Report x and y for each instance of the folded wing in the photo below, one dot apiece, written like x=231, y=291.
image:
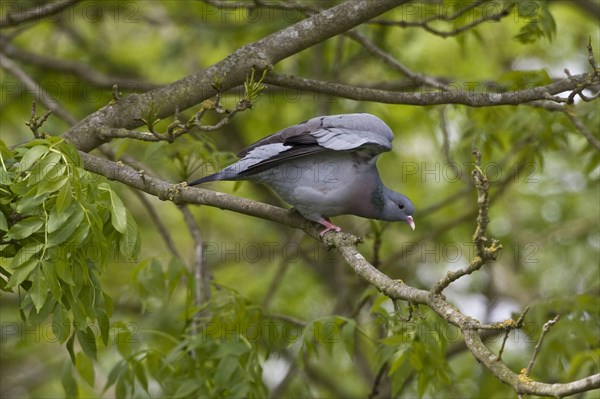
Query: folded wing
x=363, y=133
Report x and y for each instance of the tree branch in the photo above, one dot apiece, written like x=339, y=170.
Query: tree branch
x=392, y=62
x=14, y=19
x=180, y=194
x=483, y=253
x=79, y=69
x=229, y=72
x=441, y=17
x=461, y=93
x=199, y=271
x=547, y=326
x=36, y=90
x=582, y=128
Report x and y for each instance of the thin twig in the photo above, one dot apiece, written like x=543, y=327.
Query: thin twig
x=200, y=273
x=251, y=5
x=35, y=122
x=178, y=128
x=282, y=269
x=445, y=135
x=483, y=253
x=518, y=324
x=582, y=128
x=547, y=326
x=425, y=24
x=432, y=18
x=81, y=70
x=161, y=227
x=394, y=63
x=378, y=379
x=36, y=90
x=35, y=13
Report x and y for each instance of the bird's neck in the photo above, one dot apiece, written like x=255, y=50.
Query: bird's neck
x=378, y=199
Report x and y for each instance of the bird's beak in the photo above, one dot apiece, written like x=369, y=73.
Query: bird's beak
x=410, y=222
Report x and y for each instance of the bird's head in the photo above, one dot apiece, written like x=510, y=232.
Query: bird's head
x=399, y=208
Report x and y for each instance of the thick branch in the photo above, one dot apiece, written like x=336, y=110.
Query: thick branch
x=180, y=194
x=230, y=72
x=521, y=385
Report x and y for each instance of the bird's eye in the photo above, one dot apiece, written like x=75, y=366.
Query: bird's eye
x=401, y=206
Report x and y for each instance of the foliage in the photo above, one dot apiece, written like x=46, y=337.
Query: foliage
x=59, y=224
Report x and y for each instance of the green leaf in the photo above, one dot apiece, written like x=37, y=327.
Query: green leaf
x=80, y=234
x=103, y=324
x=52, y=279
x=3, y=222
x=22, y=273
x=225, y=370
x=43, y=167
x=65, y=230
x=118, y=215
x=129, y=244
x=122, y=339
x=187, y=388
x=108, y=304
x=115, y=373
x=422, y=384
x=54, y=184
x=122, y=386
x=140, y=374
x=38, y=290
x=24, y=254
x=37, y=317
x=63, y=270
x=174, y=272
x=58, y=218
x=64, y=198
x=348, y=333
x=24, y=228
x=69, y=346
x=31, y=156
x=399, y=361
x=61, y=326
x=30, y=203
x=85, y=367
x=68, y=382
x=87, y=340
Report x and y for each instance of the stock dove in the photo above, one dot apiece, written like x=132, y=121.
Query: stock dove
x=325, y=166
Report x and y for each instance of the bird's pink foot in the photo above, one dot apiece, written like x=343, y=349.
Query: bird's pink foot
x=328, y=227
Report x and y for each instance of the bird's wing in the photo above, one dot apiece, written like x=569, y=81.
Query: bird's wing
x=362, y=133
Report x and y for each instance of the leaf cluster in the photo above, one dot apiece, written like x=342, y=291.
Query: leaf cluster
x=59, y=225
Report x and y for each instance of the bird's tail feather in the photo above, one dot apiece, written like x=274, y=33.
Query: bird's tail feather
x=206, y=179
x=221, y=175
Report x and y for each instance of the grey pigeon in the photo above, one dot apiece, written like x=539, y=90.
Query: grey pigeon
x=325, y=166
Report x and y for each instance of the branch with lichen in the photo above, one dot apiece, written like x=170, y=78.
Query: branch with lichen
x=483, y=252
x=252, y=90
